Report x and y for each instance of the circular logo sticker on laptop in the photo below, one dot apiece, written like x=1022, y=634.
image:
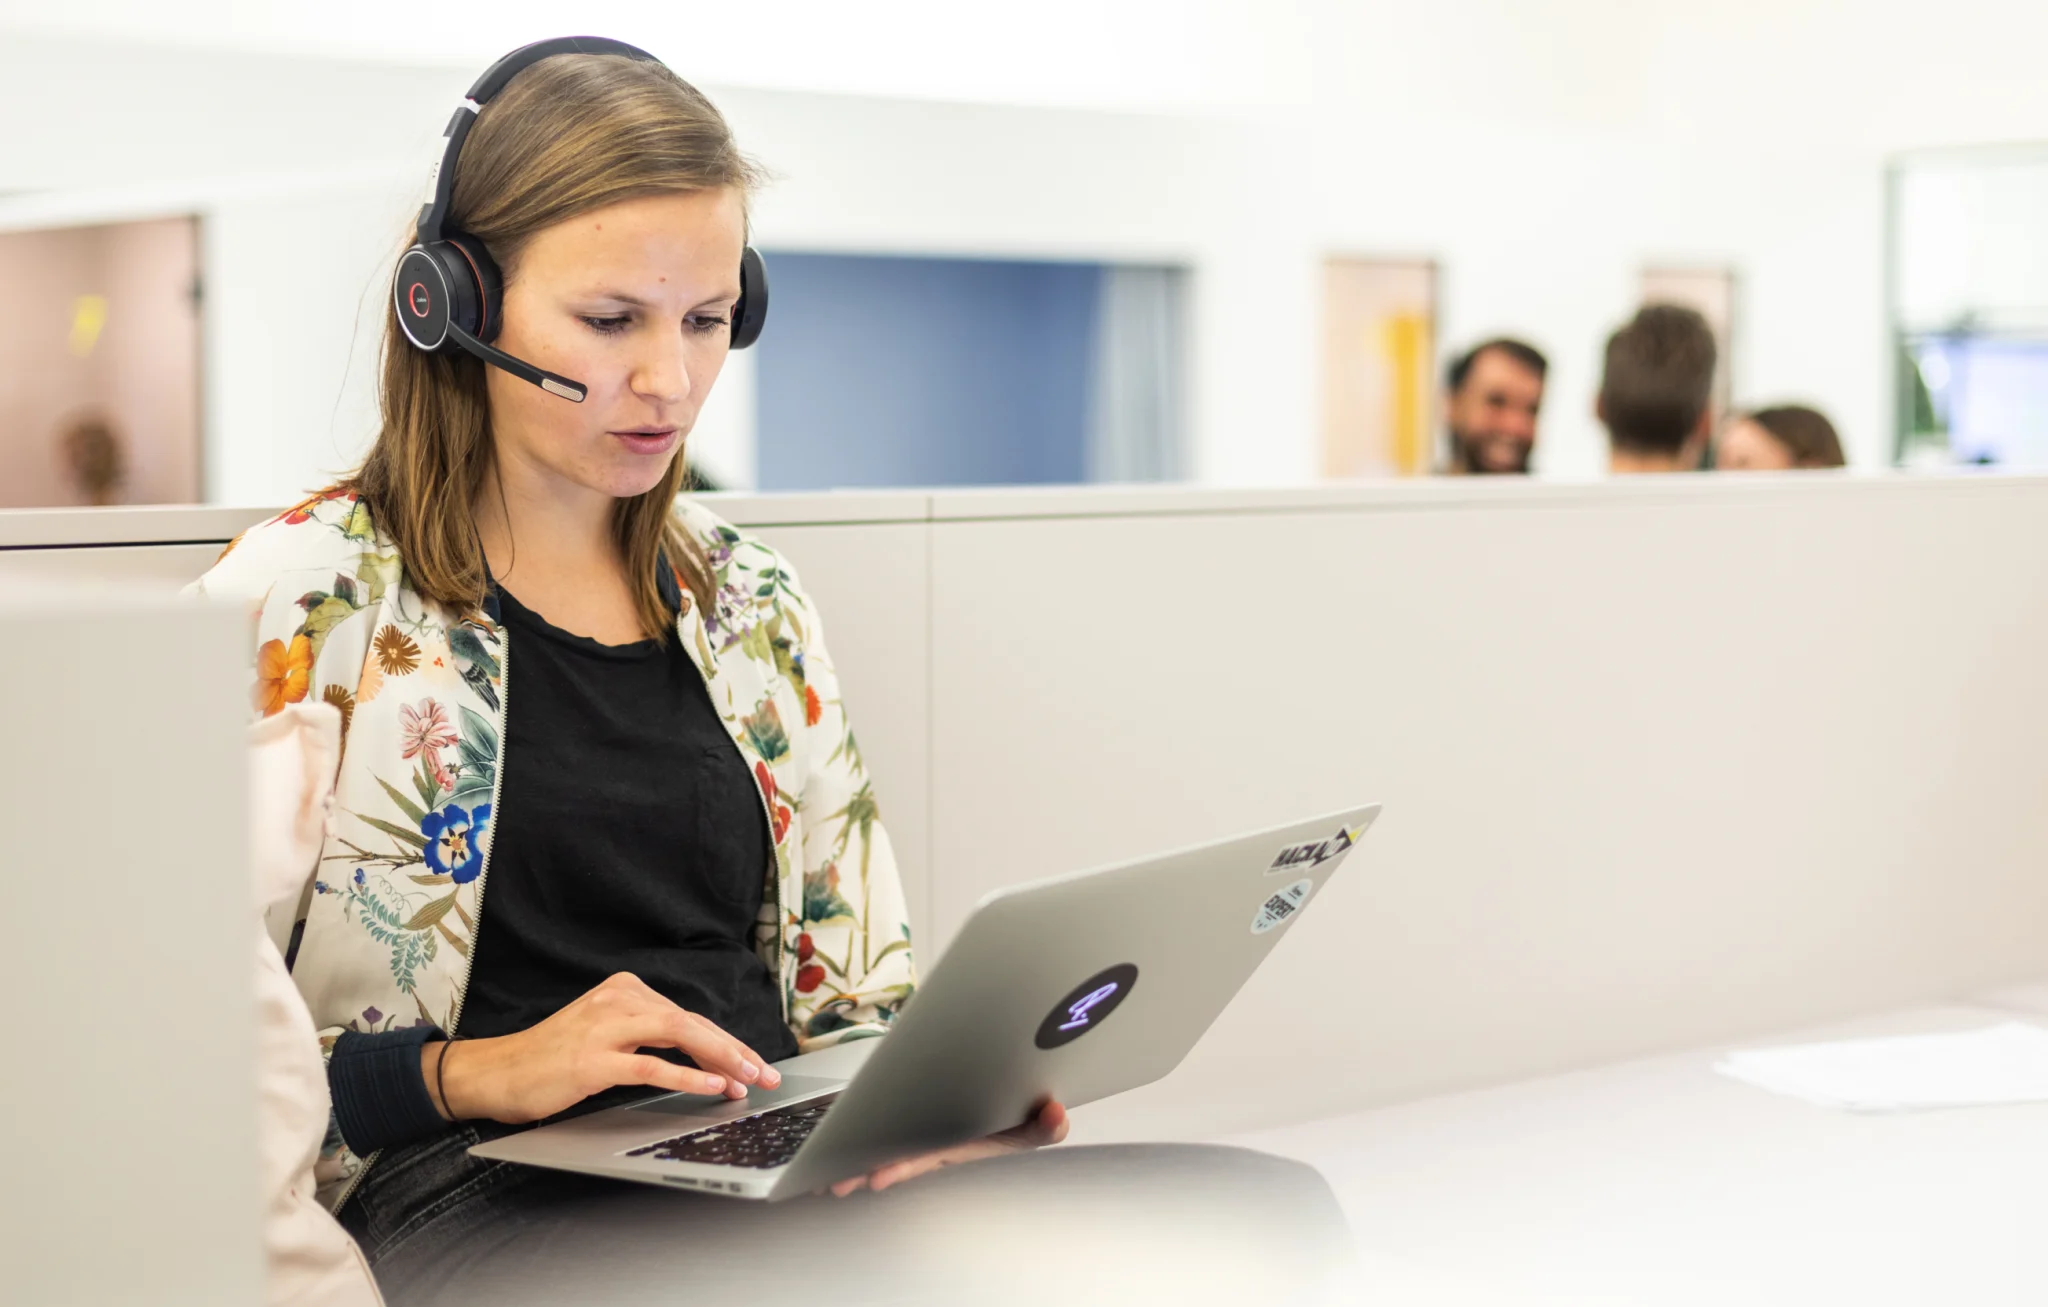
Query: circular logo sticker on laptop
x=1281, y=906
x=1087, y=1006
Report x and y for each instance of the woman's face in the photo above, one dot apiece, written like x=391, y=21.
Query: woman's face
x=1747, y=447
x=634, y=302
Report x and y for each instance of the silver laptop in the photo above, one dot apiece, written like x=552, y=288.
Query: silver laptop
x=1073, y=988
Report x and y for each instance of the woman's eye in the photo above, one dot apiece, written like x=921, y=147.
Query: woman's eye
x=702, y=323
x=606, y=326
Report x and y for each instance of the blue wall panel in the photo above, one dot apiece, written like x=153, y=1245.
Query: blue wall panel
x=887, y=371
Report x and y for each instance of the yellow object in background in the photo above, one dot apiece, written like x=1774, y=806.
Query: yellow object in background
x=88, y=319
x=1406, y=341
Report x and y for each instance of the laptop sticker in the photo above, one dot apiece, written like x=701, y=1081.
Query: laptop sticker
x=1282, y=906
x=1314, y=853
x=1087, y=1005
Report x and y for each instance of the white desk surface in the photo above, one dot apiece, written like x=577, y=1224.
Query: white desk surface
x=1662, y=1182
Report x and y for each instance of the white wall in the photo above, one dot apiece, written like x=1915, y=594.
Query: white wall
x=1971, y=239
x=1764, y=74
x=1542, y=154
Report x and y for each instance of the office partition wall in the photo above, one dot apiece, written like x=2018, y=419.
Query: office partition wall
x=1664, y=763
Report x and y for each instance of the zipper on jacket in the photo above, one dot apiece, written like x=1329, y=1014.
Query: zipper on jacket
x=774, y=868
x=497, y=788
x=483, y=870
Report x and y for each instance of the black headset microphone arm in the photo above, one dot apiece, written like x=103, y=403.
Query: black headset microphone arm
x=552, y=382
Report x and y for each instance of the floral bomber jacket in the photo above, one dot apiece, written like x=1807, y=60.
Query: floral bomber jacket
x=386, y=923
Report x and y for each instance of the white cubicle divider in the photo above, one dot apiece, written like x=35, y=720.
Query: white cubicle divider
x=128, y=968
x=1665, y=762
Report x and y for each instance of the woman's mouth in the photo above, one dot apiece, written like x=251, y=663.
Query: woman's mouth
x=647, y=440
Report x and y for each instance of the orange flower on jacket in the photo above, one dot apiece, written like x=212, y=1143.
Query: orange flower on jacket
x=283, y=673
x=303, y=510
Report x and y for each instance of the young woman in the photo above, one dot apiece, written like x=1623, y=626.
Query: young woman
x=681, y=845
x=1777, y=439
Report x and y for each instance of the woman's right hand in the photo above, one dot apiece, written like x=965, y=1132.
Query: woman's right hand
x=589, y=1046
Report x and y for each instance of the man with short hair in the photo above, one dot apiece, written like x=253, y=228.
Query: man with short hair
x=1495, y=390
x=1656, y=394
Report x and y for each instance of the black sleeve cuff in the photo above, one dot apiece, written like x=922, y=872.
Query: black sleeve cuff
x=380, y=1095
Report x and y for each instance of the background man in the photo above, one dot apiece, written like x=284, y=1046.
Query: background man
x=1657, y=390
x=1495, y=390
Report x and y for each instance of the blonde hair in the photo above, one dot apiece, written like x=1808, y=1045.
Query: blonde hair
x=573, y=133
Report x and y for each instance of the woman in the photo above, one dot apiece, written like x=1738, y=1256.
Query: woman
x=1776, y=439
x=678, y=833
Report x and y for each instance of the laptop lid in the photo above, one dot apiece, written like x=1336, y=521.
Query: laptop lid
x=1075, y=988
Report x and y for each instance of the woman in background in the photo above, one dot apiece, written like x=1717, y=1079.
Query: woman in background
x=1777, y=439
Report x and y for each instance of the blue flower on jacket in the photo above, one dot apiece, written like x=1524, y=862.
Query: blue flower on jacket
x=453, y=838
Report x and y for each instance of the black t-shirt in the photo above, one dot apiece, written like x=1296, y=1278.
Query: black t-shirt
x=629, y=837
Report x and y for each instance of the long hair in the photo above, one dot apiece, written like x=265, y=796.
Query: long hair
x=1803, y=431
x=573, y=133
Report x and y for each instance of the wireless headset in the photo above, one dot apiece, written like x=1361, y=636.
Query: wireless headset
x=448, y=288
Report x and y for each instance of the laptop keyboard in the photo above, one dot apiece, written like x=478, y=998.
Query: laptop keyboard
x=764, y=1140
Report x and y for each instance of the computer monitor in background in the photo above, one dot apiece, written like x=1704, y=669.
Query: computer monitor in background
x=1991, y=395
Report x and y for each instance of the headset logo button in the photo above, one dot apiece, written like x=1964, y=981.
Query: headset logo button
x=417, y=300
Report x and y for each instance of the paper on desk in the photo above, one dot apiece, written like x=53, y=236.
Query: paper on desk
x=2005, y=1063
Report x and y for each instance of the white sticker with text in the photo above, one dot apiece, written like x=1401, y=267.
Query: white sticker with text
x=1282, y=906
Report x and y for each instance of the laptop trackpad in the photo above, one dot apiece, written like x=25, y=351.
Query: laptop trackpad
x=711, y=1108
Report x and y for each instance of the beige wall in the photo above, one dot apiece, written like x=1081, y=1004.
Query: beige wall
x=129, y=1134
x=142, y=370
x=1665, y=763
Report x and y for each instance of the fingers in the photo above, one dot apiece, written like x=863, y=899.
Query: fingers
x=715, y=1050
x=1048, y=1127
x=641, y=1069
x=635, y=1016
x=912, y=1167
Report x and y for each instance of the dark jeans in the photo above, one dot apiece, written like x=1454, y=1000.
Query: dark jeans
x=1186, y=1224
x=435, y=1194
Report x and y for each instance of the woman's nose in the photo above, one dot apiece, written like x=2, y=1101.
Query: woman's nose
x=663, y=374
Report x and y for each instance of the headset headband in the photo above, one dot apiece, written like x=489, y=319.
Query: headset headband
x=434, y=213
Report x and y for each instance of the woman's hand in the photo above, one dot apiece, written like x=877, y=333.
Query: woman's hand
x=589, y=1046
x=1047, y=1126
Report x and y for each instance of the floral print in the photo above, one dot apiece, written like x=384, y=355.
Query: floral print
x=424, y=731
x=779, y=813
x=344, y=703
x=398, y=895
x=765, y=733
x=455, y=841
x=283, y=673
x=397, y=654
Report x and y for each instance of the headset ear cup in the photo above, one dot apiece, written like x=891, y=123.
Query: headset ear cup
x=435, y=287
x=750, y=315
x=468, y=255
x=420, y=296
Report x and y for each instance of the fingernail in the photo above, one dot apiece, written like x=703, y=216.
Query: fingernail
x=714, y=1083
x=770, y=1076
x=748, y=1070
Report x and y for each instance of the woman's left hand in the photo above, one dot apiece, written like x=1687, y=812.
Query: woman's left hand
x=1048, y=1126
